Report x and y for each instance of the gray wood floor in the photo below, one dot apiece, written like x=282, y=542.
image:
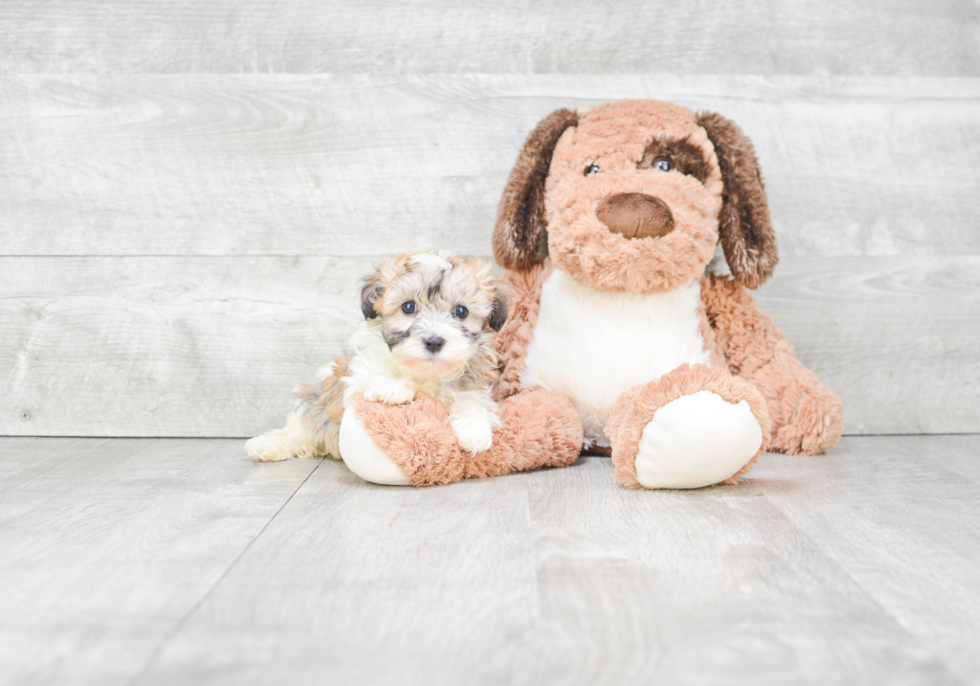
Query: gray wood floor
x=166, y=561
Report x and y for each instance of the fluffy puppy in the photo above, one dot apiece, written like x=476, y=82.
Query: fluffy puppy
x=428, y=321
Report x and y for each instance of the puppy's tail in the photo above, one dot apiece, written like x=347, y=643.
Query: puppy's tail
x=320, y=406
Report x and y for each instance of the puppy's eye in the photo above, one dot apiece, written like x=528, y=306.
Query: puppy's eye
x=460, y=312
x=591, y=169
x=409, y=307
x=662, y=164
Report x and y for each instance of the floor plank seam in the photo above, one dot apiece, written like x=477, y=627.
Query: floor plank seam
x=899, y=623
x=200, y=602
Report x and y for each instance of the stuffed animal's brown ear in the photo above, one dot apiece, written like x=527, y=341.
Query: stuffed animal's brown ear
x=520, y=215
x=746, y=232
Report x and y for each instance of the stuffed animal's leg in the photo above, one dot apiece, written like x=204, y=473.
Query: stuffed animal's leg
x=400, y=445
x=538, y=428
x=695, y=426
x=807, y=417
x=415, y=444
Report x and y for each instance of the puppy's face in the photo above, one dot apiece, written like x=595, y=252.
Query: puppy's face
x=435, y=309
x=632, y=198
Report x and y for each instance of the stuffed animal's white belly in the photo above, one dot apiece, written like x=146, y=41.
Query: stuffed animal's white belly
x=593, y=345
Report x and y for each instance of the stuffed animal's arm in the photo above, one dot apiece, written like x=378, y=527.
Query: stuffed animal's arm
x=511, y=342
x=807, y=417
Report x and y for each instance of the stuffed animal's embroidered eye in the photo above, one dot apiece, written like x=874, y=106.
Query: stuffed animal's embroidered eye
x=591, y=169
x=460, y=312
x=662, y=164
x=409, y=307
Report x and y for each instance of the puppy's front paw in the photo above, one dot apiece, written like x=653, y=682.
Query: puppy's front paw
x=473, y=434
x=389, y=392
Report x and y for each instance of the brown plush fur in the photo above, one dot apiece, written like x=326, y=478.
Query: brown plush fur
x=417, y=436
x=746, y=232
x=708, y=336
x=528, y=438
x=682, y=155
x=420, y=440
x=613, y=137
x=548, y=187
x=612, y=149
x=807, y=417
x=524, y=294
x=635, y=408
x=521, y=221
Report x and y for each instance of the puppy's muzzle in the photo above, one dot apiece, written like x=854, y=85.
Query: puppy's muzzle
x=636, y=215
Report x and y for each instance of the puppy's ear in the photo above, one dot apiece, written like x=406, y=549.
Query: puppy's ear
x=743, y=223
x=373, y=291
x=520, y=215
x=499, y=313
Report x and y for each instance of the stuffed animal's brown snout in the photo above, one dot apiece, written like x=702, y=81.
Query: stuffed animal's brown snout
x=636, y=215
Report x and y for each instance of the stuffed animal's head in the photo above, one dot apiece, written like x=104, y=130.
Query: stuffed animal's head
x=633, y=196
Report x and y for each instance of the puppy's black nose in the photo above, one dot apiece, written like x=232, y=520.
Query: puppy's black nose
x=434, y=343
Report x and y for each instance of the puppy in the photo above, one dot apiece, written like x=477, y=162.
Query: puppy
x=428, y=321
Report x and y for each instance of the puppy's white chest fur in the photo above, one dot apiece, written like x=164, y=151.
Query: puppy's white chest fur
x=593, y=345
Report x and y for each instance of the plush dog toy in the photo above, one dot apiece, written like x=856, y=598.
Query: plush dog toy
x=618, y=341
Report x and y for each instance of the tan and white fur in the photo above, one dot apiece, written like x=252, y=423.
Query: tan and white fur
x=428, y=322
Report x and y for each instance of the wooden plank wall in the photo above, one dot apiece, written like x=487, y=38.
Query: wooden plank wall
x=190, y=192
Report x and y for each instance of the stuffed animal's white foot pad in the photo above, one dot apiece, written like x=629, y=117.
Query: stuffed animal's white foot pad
x=362, y=455
x=695, y=441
